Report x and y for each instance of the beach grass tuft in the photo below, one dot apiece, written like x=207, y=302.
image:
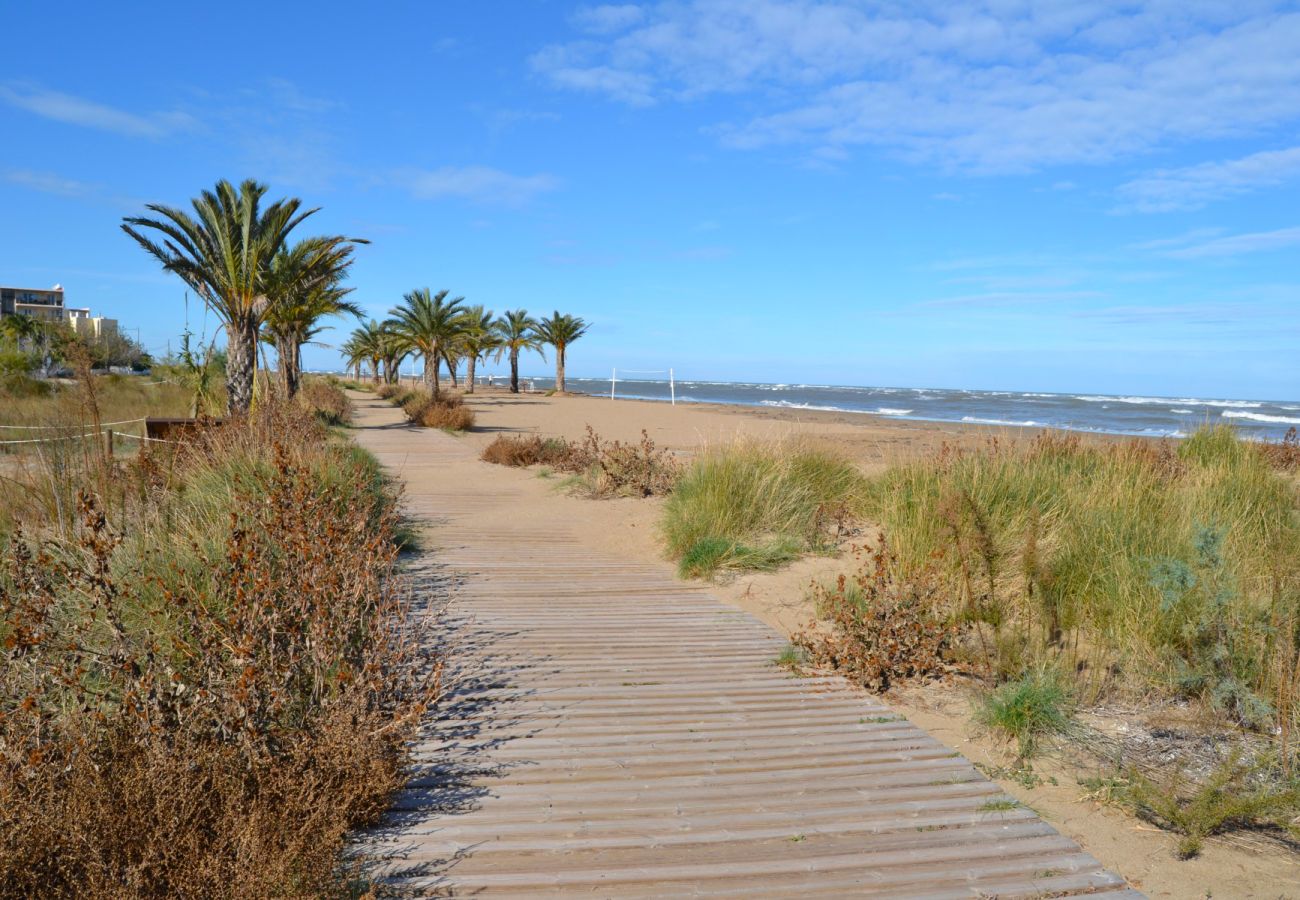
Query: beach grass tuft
x=1028, y=710
x=755, y=505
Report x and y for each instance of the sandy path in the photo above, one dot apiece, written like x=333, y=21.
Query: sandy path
x=613, y=731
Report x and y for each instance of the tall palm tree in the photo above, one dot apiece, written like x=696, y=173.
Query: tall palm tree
x=517, y=331
x=560, y=330
x=224, y=252
x=305, y=288
x=478, y=340
x=353, y=354
x=365, y=344
x=426, y=323
x=392, y=351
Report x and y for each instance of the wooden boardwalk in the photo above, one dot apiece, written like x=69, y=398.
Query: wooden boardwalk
x=615, y=732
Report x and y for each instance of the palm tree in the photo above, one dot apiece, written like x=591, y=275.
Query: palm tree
x=305, y=288
x=392, y=351
x=426, y=323
x=366, y=344
x=224, y=252
x=21, y=327
x=478, y=340
x=517, y=331
x=560, y=330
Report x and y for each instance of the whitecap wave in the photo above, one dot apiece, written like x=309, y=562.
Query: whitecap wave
x=1260, y=417
x=886, y=411
x=1188, y=401
x=981, y=421
x=1184, y=412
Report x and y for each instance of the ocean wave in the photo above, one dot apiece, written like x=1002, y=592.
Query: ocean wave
x=1184, y=412
x=790, y=404
x=1189, y=401
x=1260, y=417
x=980, y=421
x=886, y=411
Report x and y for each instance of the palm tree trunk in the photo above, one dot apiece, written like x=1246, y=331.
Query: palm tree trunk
x=469, y=374
x=451, y=370
x=286, y=350
x=431, y=372
x=241, y=361
x=559, y=370
x=514, y=370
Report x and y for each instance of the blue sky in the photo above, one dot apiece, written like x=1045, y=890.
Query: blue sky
x=1006, y=195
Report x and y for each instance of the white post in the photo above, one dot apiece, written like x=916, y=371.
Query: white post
x=613, y=378
x=672, y=387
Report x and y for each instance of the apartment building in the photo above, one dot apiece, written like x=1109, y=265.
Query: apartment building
x=47, y=304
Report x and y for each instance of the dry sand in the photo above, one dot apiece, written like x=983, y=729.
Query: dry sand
x=1140, y=852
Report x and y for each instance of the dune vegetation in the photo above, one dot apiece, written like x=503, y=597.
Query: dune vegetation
x=755, y=505
x=206, y=679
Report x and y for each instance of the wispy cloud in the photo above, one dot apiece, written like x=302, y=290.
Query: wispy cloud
x=608, y=18
x=1002, y=299
x=481, y=184
x=1234, y=244
x=74, y=110
x=58, y=185
x=1192, y=187
x=49, y=183
x=966, y=85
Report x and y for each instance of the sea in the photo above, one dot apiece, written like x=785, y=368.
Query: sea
x=1099, y=413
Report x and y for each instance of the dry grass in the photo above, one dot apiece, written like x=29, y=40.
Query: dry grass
x=209, y=675
x=325, y=398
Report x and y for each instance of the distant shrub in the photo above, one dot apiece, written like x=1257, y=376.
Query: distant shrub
x=17, y=386
x=527, y=450
x=387, y=391
x=448, y=411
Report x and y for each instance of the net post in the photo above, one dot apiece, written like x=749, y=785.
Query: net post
x=672, y=387
x=613, y=378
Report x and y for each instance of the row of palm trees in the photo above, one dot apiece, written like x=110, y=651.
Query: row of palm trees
x=445, y=332
x=240, y=257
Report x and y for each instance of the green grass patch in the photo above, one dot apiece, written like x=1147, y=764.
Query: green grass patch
x=1027, y=710
x=758, y=506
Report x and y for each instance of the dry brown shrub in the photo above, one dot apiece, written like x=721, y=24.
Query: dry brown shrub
x=879, y=629
x=528, y=450
x=387, y=391
x=613, y=468
x=209, y=717
x=326, y=400
x=1283, y=454
x=605, y=468
x=447, y=411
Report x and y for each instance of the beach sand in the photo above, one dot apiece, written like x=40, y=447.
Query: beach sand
x=628, y=527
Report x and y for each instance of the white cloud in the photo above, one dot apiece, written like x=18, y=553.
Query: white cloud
x=1237, y=244
x=982, y=86
x=481, y=184
x=608, y=18
x=1170, y=190
x=49, y=183
x=78, y=111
